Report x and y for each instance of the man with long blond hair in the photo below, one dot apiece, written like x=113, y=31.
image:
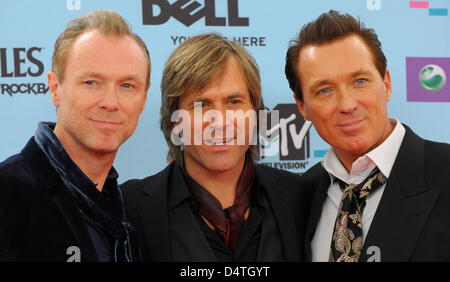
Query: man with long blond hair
x=213, y=202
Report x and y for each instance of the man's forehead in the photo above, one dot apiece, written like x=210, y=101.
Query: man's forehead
x=86, y=39
x=348, y=55
x=94, y=43
x=96, y=38
x=352, y=41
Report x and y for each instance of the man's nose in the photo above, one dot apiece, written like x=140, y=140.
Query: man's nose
x=224, y=120
x=347, y=101
x=109, y=99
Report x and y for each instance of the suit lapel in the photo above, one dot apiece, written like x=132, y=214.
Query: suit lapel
x=154, y=218
x=398, y=223
x=319, y=196
x=161, y=205
x=187, y=239
x=188, y=242
x=285, y=221
x=404, y=207
x=50, y=182
x=278, y=198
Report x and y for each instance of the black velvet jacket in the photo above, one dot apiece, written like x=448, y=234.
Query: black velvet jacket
x=41, y=219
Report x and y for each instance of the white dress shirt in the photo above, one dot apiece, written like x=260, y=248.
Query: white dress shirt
x=382, y=157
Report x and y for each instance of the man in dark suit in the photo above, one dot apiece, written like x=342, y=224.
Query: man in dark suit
x=382, y=192
x=213, y=202
x=59, y=197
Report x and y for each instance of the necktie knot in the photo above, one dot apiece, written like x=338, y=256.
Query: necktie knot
x=347, y=240
x=362, y=190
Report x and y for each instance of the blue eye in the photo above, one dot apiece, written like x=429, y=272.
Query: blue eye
x=324, y=91
x=361, y=80
x=128, y=85
x=200, y=104
x=235, y=102
x=90, y=82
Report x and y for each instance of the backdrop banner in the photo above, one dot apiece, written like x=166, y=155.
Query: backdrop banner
x=415, y=37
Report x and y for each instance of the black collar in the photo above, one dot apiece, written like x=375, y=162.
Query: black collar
x=61, y=161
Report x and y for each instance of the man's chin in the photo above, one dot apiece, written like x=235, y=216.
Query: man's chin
x=356, y=149
x=104, y=148
x=224, y=165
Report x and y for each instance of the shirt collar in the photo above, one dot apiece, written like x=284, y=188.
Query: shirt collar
x=61, y=161
x=383, y=157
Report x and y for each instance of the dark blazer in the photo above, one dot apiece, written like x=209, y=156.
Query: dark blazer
x=412, y=221
x=38, y=217
x=147, y=208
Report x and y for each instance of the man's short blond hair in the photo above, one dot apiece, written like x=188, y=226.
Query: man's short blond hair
x=192, y=68
x=106, y=22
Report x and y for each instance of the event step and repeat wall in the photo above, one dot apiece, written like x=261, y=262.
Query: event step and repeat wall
x=415, y=37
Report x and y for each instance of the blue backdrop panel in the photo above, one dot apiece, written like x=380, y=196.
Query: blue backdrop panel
x=415, y=35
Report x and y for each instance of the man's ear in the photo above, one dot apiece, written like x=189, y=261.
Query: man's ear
x=387, y=84
x=53, y=84
x=301, y=106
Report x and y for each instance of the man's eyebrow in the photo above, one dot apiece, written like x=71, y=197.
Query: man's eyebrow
x=319, y=83
x=91, y=74
x=134, y=77
x=360, y=72
x=199, y=99
x=206, y=99
x=236, y=95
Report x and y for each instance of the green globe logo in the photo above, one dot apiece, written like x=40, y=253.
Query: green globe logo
x=432, y=77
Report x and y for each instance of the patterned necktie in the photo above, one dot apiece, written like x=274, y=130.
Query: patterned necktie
x=347, y=240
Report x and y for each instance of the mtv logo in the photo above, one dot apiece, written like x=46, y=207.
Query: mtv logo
x=285, y=132
x=426, y=79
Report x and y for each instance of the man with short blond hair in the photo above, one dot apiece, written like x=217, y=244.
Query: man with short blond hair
x=59, y=198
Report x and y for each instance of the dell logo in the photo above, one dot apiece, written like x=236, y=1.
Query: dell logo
x=188, y=12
